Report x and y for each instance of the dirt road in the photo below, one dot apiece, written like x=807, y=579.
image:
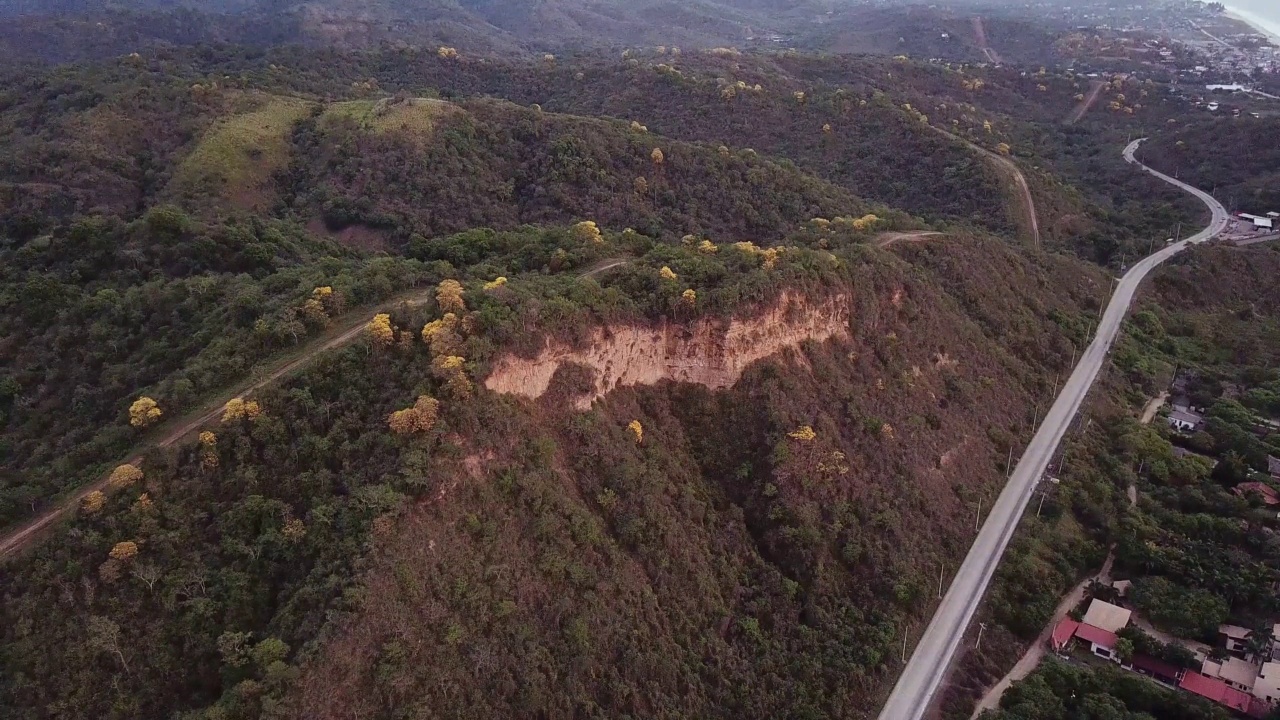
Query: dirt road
x=1095, y=89
x=886, y=239
x=1013, y=173
x=172, y=432
x=980, y=32
x=1153, y=407
x=1034, y=654
x=920, y=678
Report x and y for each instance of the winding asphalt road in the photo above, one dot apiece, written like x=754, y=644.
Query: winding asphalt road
x=928, y=664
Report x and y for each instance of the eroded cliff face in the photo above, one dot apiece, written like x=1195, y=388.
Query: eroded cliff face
x=710, y=352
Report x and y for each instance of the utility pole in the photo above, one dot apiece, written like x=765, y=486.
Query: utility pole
x=941, y=571
x=904, y=645
x=1178, y=237
x=977, y=517
x=982, y=627
x=1040, y=507
x=1008, y=463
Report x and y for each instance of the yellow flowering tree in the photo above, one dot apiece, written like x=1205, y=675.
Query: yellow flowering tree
x=240, y=409
x=588, y=231
x=667, y=273
x=419, y=418
x=208, y=450
x=449, y=297
x=443, y=336
x=124, y=551
x=804, y=433
x=123, y=476
x=637, y=430
x=143, y=412
x=380, y=331
x=449, y=368
x=93, y=502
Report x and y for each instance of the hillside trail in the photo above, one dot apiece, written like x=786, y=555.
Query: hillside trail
x=1034, y=654
x=1012, y=172
x=1095, y=89
x=885, y=239
x=603, y=265
x=980, y=31
x=172, y=432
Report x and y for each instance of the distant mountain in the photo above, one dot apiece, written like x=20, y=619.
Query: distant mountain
x=67, y=30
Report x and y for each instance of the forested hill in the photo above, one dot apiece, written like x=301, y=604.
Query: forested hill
x=660, y=385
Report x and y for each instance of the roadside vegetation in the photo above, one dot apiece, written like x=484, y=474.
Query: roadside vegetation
x=1199, y=552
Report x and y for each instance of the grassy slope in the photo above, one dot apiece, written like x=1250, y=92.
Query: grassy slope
x=237, y=158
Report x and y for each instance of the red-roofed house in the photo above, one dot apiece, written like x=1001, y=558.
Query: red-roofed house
x=1062, y=633
x=1266, y=492
x=1101, y=642
x=1215, y=690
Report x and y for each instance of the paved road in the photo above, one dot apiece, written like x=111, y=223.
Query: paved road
x=928, y=664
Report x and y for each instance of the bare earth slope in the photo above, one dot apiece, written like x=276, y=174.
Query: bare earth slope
x=711, y=353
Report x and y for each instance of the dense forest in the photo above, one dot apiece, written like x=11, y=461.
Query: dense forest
x=253, y=298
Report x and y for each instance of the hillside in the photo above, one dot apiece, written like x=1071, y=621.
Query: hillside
x=416, y=381
x=729, y=542
x=1247, y=183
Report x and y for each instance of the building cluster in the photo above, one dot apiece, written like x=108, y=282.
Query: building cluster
x=1241, y=681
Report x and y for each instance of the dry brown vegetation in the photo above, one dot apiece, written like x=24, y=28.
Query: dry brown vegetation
x=578, y=569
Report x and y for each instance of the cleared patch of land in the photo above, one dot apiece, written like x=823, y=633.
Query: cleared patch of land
x=240, y=153
x=416, y=116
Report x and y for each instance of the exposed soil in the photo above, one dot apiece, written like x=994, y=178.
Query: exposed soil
x=712, y=353
x=1095, y=90
x=888, y=238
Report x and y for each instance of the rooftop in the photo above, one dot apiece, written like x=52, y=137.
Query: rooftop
x=1063, y=632
x=1235, y=632
x=1186, y=417
x=1096, y=635
x=1232, y=670
x=1268, y=493
x=1154, y=666
x=1215, y=690
x=1106, y=616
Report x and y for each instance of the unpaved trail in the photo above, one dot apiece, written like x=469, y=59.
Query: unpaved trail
x=1153, y=407
x=1095, y=89
x=1031, y=658
x=603, y=265
x=980, y=31
x=886, y=239
x=1013, y=173
x=344, y=331
x=1036, y=652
